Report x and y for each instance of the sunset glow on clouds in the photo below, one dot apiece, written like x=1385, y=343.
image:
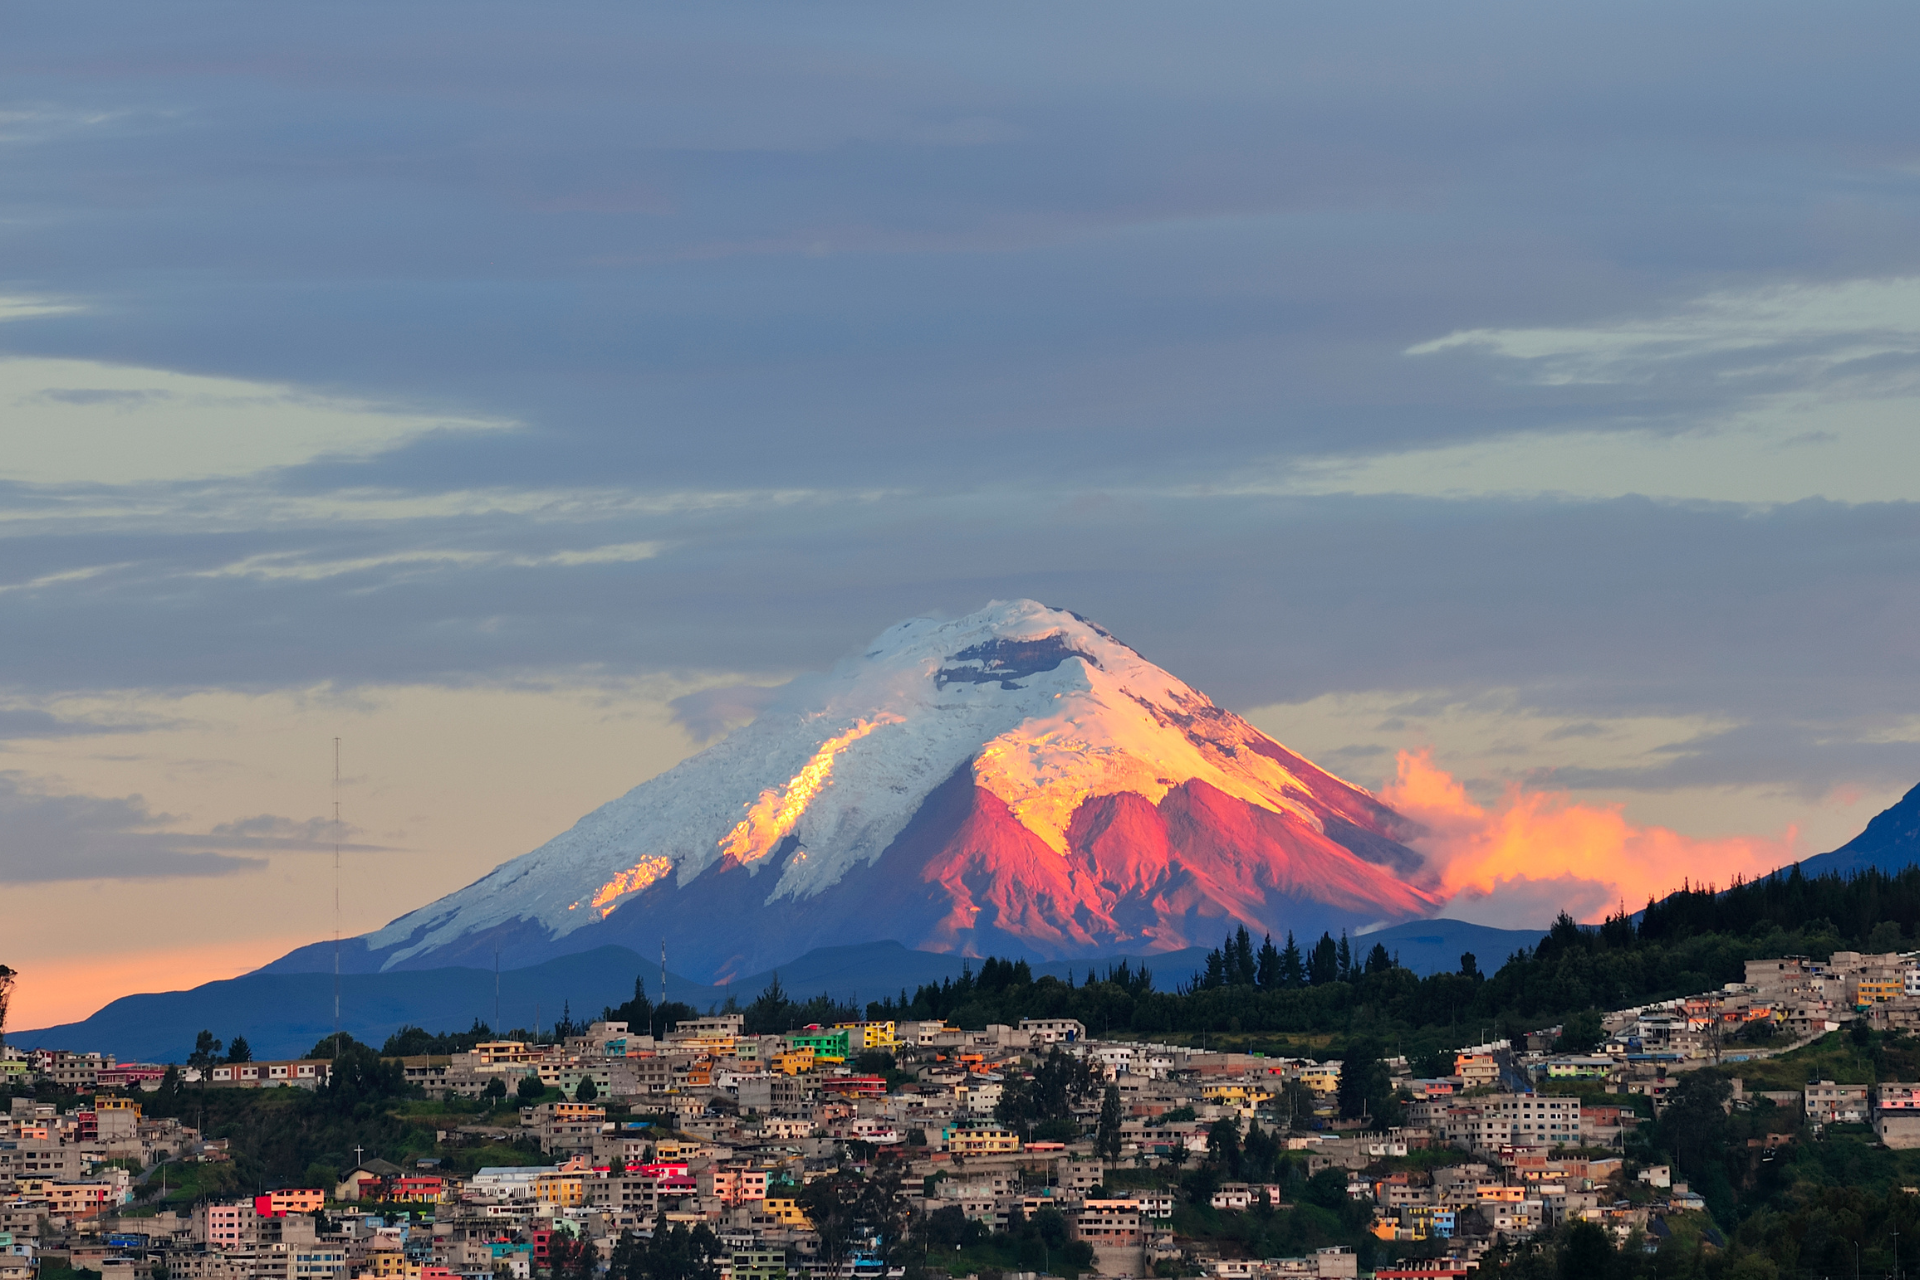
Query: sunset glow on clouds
x=1539, y=852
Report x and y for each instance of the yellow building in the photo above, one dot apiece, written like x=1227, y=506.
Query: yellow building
x=793, y=1062
x=981, y=1142
x=1322, y=1079
x=384, y=1264
x=502, y=1053
x=786, y=1211
x=1875, y=990
x=1240, y=1095
x=566, y=1190
x=1476, y=1068
x=864, y=1036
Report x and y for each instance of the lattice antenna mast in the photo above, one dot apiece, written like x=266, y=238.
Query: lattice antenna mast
x=336, y=900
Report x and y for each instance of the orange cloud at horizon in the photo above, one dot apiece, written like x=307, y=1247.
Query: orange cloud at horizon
x=1535, y=849
x=53, y=992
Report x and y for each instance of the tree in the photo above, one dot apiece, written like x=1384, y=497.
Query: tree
x=1293, y=970
x=674, y=1252
x=851, y=1213
x=1223, y=1147
x=530, y=1089
x=496, y=1090
x=333, y=1046
x=1107, y=1136
x=1366, y=1086
x=587, y=1091
x=361, y=1077
x=570, y=1257
x=1581, y=1032
x=239, y=1050
x=637, y=1013
x=206, y=1052
x=1259, y=1155
x=1266, y=966
x=1469, y=966
x=1378, y=960
x=566, y=1027
x=1323, y=966
x=1345, y=958
x=1042, y=1105
x=1587, y=1253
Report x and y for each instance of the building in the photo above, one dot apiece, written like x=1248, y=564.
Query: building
x=305, y=1074
x=863, y=1037
x=1830, y=1103
x=1053, y=1030
x=278, y=1204
x=1477, y=1069
x=1896, y=1115
x=980, y=1142
x=829, y=1046
x=760, y=1264
x=1108, y=1222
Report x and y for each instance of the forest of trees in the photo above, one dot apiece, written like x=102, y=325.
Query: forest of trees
x=1693, y=940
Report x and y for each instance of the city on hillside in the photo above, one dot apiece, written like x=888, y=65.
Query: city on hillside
x=896, y=1148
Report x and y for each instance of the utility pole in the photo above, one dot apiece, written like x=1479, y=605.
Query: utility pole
x=336, y=900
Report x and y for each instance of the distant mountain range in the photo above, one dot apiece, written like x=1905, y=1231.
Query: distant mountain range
x=1890, y=842
x=283, y=1015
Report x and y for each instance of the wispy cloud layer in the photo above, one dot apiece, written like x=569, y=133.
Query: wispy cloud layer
x=1566, y=358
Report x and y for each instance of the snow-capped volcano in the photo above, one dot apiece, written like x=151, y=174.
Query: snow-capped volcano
x=1016, y=780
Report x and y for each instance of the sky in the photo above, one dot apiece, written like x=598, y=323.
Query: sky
x=1517, y=399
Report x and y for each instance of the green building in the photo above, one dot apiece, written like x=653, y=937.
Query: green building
x=760, y=1264
x=825, y=1044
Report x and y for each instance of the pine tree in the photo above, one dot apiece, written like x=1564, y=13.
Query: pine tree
x=1345, y=958
x=1243, y=970
x=1324, y=965
x=1293, y=970
x=1266, y=967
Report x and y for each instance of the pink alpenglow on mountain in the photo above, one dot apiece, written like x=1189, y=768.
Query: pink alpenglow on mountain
x=1016, y=781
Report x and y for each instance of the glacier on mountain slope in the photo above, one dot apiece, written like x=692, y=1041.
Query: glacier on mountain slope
x=1050, y=708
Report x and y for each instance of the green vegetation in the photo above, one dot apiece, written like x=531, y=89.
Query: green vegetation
x=282, y=1137
x=1253, y=997
x=947, y=1241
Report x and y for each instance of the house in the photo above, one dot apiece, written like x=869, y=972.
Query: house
x=366, y=1181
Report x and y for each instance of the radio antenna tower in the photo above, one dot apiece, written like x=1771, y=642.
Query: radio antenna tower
x=336, y=901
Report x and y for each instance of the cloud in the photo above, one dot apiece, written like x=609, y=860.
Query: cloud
x=710, y=713
x=1538, y=852
x=49, y=836
x=298, y=567
x=28, y=308
x=33, y=722
x=1810, y=328
x=95, y=423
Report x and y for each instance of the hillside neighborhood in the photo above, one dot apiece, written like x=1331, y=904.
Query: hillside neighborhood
x=859, y=1149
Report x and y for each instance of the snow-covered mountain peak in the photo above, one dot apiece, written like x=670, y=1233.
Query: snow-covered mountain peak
x=1035, y=707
